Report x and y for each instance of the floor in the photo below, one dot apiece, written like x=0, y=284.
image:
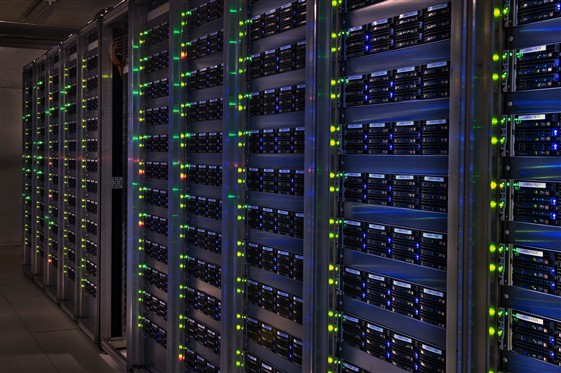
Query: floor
x=35, y=334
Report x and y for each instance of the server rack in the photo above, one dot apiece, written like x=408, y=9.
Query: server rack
x=275, y=183
x=203, y=68
x=525, y=306
x=89, y=202
x=113, y=151
x=27, y=167
x=154, y=192
x=399, y=161
x=72, y=195
x=53, y=269
x=39, y=253
x=72, y=188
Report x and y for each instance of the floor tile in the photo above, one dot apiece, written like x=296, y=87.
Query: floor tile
x=76, y=344
x=40, y=314
x=27, y=365
x=18, y=343
x=65, y=363
x=26, y=289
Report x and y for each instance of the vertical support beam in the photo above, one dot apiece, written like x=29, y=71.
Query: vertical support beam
x=106, y=163
x=456, y=177
x=135, y=342
x=233, y=195
x=175, y=215
x=477, y=216
x=316, y=190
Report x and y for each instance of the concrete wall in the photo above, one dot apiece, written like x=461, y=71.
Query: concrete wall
x=12, y=61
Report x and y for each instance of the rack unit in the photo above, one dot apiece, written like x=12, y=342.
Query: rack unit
x=526, y=310
x=397, y=167
x=53, y=170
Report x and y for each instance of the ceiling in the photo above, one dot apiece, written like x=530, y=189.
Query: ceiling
x=42, y=23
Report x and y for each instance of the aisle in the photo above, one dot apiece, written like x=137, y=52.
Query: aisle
x=35, y=334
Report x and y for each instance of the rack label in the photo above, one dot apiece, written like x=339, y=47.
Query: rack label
x=349, y=318
x=531, y=319
x=433, y=292
x=353, y=126
x=402, y=231
x=354, y=77
x=353, y=271
x=533, y=49
x=432, y=178
x=433, y=235
x=356, y=28
x=431, y=349
x=374, y=327
x=437, y=64
x=406, y=69
x=377, y=227
x=351, y=367
x=406, y=123
x=402, y=338
x=404, y=177
x=379, y=73
x=537, y=253
x=379, y=22
x=433, y=122
x=410, y=14
x=350, y=222
x=436, y=7
x=376, y=277
x=402, y=284
x=528, y=184
x=531, y=117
